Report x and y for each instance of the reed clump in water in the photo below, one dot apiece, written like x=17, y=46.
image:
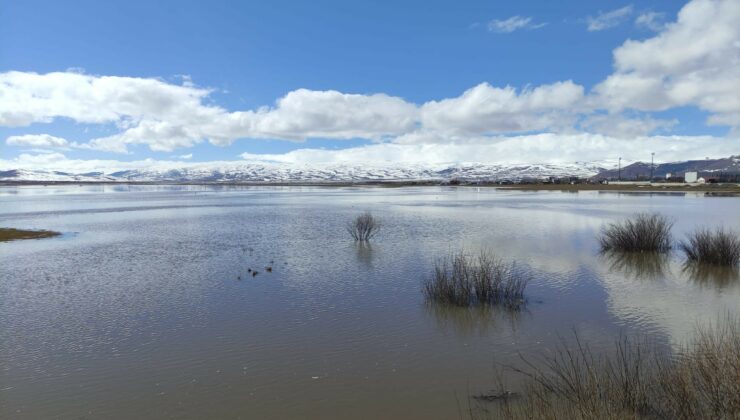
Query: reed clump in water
x=462, y=280
x=636, y=381
x=643, y=232
x=364, y=227
x=717, y=247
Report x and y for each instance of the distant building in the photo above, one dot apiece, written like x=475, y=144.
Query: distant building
x=691, y=177
x=668, y=175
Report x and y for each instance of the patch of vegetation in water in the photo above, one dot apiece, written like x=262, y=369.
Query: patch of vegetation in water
x=462, y=280
x=11, y=234
x=364, y=227
x=719, y=247
x=643, y=232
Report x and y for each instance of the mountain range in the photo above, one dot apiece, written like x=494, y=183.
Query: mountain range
x=234, y=172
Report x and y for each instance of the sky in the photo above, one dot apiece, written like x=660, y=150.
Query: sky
x=137, y=83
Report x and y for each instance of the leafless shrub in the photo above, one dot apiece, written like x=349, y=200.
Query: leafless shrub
x=364, y=227
x=644, y=232
x=718, y=247
x=462, y=280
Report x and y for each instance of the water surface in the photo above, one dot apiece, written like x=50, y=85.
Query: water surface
x=145, y=307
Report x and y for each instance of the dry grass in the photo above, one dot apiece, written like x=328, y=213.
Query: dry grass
x=9, y=234
x=718, y=247
x=462, y=280
x=643, y=232
x=636, y=381
x=364, y=227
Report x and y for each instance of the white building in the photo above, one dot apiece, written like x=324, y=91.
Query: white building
x=691, y=177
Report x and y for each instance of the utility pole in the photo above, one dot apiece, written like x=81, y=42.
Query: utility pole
x=619, y=177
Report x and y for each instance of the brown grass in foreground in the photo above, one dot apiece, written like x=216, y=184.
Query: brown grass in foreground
x=636, y=381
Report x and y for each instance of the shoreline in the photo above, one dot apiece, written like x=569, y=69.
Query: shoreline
x=658, y=187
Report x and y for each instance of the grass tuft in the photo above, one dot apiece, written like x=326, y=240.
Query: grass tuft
x=644, y=232
x=462, y=280
x=718, y=247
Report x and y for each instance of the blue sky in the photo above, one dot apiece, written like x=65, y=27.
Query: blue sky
x=248, y=55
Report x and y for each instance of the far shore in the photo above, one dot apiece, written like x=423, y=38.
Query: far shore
x=627, y=187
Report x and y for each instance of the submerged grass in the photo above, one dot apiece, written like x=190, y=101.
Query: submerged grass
x=364, y=227
x=10, y=234
x=718, y=247
x=462, y=280
x=643, y=232
x=636, y=381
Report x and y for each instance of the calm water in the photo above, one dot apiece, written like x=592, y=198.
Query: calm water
x=145, y=308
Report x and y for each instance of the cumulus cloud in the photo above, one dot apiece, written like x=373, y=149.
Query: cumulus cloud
x=537, y=148
x=606, y=20
x=512, y=24
x=694, y=61
x=487, y=109
x=167, y=116
x=36, y=140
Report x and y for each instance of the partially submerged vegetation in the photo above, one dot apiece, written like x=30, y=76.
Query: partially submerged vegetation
x=462, y=280
x=717, y=247
x=10, y=234
x=699, y=381
x=643, y=232
x=364, y=227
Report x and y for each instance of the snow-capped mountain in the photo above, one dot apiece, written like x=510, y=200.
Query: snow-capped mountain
x=232, y=172
x=225, y=172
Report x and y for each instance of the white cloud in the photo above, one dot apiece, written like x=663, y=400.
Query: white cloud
x=606, y=20
x=512, y=24
x=167, y=116
x=538, y=148
x=655, y=21
x=186, y=156
x=36, y=140
x=694, y=61
x=487, y=109
x=621, y=127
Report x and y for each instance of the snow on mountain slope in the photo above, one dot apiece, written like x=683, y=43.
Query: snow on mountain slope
x=276, y=172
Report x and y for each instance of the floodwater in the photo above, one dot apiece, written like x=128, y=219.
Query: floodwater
x=145, y=307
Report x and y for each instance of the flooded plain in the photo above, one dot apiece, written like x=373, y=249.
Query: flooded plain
x=147, y=305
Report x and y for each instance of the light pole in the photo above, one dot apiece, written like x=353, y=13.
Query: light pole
x=619, y=176
x=652, y=159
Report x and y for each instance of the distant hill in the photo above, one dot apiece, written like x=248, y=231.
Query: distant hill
x=705, y=166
